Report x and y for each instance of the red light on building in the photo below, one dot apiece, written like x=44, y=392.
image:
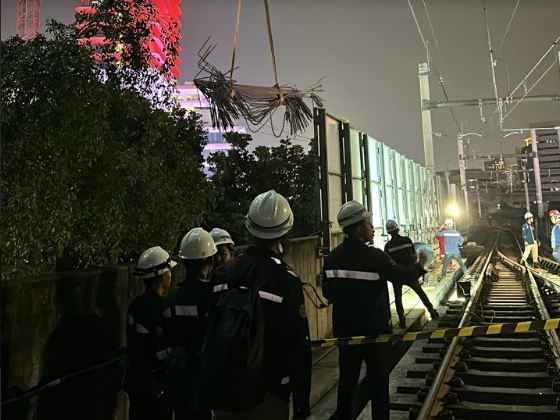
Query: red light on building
x=167, y=25
x=166, y=28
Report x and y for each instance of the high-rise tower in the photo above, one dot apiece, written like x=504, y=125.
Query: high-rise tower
x=27, y=18
x=165, y=27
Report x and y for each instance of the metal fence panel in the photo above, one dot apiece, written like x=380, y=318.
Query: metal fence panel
x=335, y=170
x=386, y=182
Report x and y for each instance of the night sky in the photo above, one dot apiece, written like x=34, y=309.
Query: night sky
x=369, y=51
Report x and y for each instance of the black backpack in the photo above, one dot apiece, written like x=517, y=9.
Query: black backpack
x=231, y=373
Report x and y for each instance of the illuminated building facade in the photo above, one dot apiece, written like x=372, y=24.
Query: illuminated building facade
x=166, y=26
x=27, y=18
x=192, y=100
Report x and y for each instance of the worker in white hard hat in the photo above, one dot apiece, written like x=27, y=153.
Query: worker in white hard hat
x=530, y=240
x=286, y=364
x=147, y=347
x=355, y=282
x=401, y=249
x=452, y=240
x=187, y=318
x=225, y=245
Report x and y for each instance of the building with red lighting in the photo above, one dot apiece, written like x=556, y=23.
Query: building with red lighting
x=27, y=18
x=165, y=27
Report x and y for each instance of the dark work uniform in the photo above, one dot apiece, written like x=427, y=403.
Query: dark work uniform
x=287, y=355
x=147, y=349
x=186, y=321
x=354, y=281
x=401, y=249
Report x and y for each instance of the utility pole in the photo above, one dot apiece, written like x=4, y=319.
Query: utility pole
x=427, y=135
x=558, y=128
x=478, y=200
x=526, y=187
x=537, y=171
x=462, y=174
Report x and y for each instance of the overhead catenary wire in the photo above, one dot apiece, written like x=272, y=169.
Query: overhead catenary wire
x=492, y=66
x=440, y=78
x=553, y=64
x=523, y=81
x=507, y=28
x=424, y=43
x=555, y=44
x=436, y=43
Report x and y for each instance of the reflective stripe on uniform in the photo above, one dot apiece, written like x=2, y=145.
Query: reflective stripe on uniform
x=220, y=287
x=276, y=260
x=285, y=380
x=355, y=275
x=140, y=329
x=191, y=310
x=130, y=319
x=396, y=248
x=271, y=297
x=451, y=234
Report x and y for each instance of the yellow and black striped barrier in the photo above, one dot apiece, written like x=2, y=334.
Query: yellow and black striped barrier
x=474, y=331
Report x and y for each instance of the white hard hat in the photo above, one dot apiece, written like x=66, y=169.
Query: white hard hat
x=391, y=226
x=221, y=237
x=269, y=216
x=197, y=244
x=528, y=215
x=352, y=212
x=448, y=222
x=153, y=262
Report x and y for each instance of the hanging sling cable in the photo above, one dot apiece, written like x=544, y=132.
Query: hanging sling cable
x=231, y=101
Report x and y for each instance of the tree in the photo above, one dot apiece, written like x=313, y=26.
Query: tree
x=128, y=28
x=241, y=175
x=90, y=170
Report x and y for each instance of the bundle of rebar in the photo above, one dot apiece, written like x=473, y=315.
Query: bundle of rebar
x=230, y=101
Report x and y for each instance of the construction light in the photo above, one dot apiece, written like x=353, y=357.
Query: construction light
x=453, y=210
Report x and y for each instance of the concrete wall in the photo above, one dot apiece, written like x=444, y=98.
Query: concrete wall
x=57, y=324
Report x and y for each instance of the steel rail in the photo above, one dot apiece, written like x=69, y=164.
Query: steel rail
x=552, y=335
x=434, y=400
x=439, y=386
x=541, y=306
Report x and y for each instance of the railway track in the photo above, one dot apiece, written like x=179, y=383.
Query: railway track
x=509, y=375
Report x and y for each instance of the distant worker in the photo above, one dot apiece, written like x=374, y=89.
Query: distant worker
x=146, y=343
x=225, y=245
x=284, y=367
x=452, y=241
x=401, y=249
x=530, y=240
x=441, y=243
x=186, y=319
x=555, y=234
x=355, y=282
